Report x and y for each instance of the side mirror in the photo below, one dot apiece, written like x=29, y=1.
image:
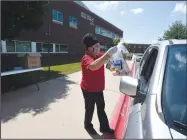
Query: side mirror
x=128, y=86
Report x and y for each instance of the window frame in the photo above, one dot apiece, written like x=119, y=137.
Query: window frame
x=142, y=62
x=15, y=50
x=59, y=48
x=57, y=21
x=23, y=41
x=146, y=58
x=42, y=47
x=70, y=25
x=1, y=49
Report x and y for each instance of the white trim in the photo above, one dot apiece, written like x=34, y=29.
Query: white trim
x=33, y=46
x=60, y=52
x=74, y=27
x=54, y=47
x=45, y=52
x=45, y=42
x=58, y=22
x=17, y=52
x=17, y=40
x=3, y=44
x=29, y=52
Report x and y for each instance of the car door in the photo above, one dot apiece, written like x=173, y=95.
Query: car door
x=135, y=127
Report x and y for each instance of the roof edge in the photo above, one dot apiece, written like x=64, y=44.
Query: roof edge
x=99, y=17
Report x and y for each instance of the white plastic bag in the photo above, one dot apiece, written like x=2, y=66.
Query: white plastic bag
x=117, y=61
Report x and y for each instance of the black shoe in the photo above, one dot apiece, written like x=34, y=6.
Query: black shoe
x=108, y=131
x=91, y=130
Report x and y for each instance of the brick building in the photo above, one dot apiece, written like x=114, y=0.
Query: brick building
x=137, y=48
x=64, y=26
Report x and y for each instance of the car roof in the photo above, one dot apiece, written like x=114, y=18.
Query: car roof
x=163, y=44
x=170, y=42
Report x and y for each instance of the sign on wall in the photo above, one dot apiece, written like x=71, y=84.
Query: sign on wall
x=87, y=17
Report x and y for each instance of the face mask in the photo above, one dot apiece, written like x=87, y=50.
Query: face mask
x=96, y=48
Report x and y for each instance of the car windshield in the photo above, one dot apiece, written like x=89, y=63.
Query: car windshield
x=175, y=83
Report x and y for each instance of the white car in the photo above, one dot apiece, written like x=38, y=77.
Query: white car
x=159, y=92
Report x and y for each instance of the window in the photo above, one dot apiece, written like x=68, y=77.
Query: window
x=57, y=16
x=106, y=33
x=47, y=46
x=174, y=90
x=113, y=35
x=18, y=46
x=116, y=36
x=103, y=32
x=10, y=46
x=147, y=69
x=147, y=52
x=102, y=48
x=43, y=47
x=109, y=34
x=72, y=22
x=61, y=48
x=39, y=47
x=23, y=46
x=97, y=30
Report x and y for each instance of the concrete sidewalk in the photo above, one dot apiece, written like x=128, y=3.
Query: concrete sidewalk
x=56, y=111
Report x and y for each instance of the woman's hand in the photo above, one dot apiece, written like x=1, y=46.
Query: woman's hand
x=112, y=51
x=116, y=73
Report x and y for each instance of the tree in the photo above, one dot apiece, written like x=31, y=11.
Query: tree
x=160, y=39
x=19, y=15
x=116, y=41
x=176, y=31
x=125, y=44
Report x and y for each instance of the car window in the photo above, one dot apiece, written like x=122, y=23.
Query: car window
x=147, y=70
x=174, y=90
x=144, y=57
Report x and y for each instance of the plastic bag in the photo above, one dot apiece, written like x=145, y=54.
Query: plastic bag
x=117, y=61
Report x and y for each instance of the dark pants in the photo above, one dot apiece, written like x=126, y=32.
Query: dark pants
x=92, y=98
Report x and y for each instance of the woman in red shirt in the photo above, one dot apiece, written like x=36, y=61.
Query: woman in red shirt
x=93, y=83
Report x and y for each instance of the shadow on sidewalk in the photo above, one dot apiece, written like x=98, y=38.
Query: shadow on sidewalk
x=29, y=100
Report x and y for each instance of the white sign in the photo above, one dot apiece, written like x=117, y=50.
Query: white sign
x=87, y=17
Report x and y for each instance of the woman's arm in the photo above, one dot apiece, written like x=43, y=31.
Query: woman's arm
x=100, y=61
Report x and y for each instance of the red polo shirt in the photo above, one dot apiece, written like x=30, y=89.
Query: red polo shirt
x=92, y=81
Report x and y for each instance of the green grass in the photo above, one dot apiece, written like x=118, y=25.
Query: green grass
x=65, y=68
